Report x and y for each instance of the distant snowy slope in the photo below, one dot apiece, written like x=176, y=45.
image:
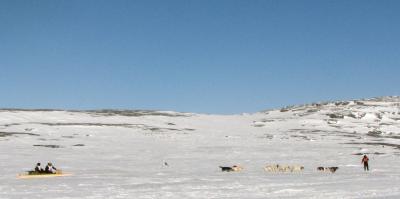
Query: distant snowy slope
x=375, y=117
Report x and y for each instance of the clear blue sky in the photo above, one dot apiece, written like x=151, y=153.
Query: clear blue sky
x=196, y=56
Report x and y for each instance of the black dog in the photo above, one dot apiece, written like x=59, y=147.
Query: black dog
x=227, y=169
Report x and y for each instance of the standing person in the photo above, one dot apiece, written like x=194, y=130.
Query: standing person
x=365, y=161
x=50, y=168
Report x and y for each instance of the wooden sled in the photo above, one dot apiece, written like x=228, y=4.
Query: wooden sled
x=59, y=173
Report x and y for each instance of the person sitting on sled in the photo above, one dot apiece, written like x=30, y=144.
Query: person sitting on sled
x=50, y=168
x=38, y=168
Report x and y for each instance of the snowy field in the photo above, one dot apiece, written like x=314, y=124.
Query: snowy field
x=122, y=154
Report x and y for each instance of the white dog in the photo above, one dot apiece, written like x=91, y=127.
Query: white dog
x=283, y=168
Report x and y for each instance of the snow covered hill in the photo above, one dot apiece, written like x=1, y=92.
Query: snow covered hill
x=158, y=154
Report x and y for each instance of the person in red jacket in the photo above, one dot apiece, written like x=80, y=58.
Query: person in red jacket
x=365, y=161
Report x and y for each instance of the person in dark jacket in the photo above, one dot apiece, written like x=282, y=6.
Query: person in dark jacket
x=365, y=161
x=38, y=168
x=50, y=168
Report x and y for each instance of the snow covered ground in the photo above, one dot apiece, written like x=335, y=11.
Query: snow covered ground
x=121, y=154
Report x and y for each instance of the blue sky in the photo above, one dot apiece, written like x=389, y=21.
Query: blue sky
x=196, y=56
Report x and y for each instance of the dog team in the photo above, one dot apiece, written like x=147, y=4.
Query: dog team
x=293, y=168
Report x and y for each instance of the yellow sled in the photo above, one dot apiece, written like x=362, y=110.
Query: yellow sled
x=59, y=173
